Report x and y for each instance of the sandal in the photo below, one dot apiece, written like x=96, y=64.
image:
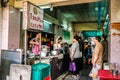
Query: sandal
x=77, y=75
x=74, y=77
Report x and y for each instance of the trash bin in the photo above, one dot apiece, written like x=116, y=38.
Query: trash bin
x=40, y=71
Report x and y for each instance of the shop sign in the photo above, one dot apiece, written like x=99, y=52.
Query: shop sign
x=32, y=17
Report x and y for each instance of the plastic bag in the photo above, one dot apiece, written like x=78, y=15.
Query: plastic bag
x=72, y=66
x=93, y=75
x=36, y=49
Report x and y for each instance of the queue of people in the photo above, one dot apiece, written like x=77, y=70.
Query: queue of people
x=96, y=58
x=79, y=50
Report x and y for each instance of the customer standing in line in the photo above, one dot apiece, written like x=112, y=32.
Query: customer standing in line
x=105, y=48
x=96, y=58
x=50, y=45
x=76, y=56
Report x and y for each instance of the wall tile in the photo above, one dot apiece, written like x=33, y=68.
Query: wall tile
x=115, y=4
x=115, y=15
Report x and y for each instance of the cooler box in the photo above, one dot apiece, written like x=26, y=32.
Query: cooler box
x=40, y=71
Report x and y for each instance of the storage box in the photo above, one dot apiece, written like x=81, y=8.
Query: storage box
x=20, y=72
x=40, y=71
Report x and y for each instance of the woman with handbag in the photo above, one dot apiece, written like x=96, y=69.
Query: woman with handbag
x=76, y=56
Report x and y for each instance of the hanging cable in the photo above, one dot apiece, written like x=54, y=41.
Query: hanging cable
x=99, y=13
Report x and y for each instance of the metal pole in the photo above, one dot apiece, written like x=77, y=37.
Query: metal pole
x=99, y=13
x=25, y=46
x=1, y=12
x=40, y=48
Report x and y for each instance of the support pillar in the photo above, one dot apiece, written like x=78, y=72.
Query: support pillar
x=10, y=28
x=115, y=31
x=0, y=32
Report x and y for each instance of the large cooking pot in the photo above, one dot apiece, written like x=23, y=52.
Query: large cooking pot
x=54, y=52
x=43, y=54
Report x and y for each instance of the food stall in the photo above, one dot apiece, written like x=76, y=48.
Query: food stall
x=32, y=21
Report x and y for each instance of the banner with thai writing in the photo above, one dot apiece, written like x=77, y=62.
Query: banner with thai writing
x=32, y=17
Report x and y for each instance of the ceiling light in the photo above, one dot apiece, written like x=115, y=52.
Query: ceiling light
x=21, y=10
x=102, y=8
x=69, y=28
x=96, y=8
x=51, y=8
x=47, y=22
x=45, y=6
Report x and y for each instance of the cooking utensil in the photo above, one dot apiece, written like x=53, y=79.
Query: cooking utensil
x=54, y=52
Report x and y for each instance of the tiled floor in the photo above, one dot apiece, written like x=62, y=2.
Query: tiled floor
x=83, y=74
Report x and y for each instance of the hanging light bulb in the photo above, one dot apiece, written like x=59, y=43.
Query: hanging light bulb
x=51, y=8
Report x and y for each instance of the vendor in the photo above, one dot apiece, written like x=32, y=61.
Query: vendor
x=59, y=43
x=35, y=41
x=50, y=45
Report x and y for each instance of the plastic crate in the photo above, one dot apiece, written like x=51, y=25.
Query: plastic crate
x=40, y=71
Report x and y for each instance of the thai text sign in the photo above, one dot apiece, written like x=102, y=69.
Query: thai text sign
x=32, y=17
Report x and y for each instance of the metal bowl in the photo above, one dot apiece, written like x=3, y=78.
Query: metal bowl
x=43, y=54
x=54, y=52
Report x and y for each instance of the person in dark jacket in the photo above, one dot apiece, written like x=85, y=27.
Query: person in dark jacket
x=50, y=45
x=105, y=48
